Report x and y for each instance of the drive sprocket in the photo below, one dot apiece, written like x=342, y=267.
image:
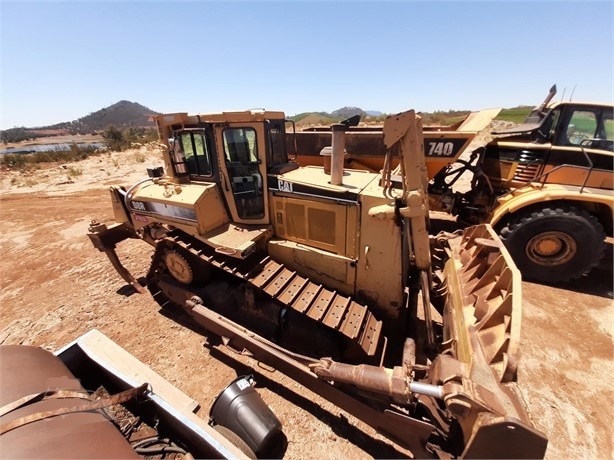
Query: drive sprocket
x=178, y=267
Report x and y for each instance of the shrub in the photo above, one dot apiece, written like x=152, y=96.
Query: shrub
x=122, y=139
x=24, y=160
x=74, y=171
x=139, y=157
x=114, y=139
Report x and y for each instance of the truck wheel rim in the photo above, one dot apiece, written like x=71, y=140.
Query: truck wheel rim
x=551, y=248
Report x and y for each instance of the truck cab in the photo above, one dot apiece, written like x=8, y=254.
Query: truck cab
x=572, y=144
x=551, y=188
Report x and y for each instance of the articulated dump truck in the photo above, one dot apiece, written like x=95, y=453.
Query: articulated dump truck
x=330, y=276
x=546, y=185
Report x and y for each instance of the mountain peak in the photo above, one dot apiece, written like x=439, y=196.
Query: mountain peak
x=121, y=114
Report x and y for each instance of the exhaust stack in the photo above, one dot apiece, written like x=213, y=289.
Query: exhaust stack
x=338, y=151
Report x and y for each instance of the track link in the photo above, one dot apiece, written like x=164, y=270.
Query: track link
x=330, y=308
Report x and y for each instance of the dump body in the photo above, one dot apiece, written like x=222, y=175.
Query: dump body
x=297, y=264
x=365, y=147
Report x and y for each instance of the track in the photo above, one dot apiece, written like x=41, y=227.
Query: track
x=340, y=315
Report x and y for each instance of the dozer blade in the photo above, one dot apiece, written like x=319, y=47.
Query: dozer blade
x=482, y=330
x=467, y=383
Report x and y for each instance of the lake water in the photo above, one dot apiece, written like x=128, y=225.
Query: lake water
x=48, y=147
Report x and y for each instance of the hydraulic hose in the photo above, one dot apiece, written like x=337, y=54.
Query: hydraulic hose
x=132, y=187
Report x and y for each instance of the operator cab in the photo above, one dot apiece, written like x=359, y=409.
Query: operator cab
x=584, y=125
x=235, y=150
x=573, y=145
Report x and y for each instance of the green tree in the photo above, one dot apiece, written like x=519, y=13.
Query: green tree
x=114, y=138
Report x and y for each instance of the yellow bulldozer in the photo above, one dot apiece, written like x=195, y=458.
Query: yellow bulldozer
x=330, y=275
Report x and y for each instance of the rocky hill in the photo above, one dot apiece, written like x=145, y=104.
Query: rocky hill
x=121, y=114
x=347, y=112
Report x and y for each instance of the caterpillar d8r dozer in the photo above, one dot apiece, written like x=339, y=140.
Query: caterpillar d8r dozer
x=333, y=279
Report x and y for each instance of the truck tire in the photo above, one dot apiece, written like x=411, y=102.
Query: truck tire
x=554, y=244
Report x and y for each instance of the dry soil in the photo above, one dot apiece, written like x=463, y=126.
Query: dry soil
x=55, y=287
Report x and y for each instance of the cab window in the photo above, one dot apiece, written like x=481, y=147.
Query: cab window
x=551, y=123
x=582, y=125
x=240, y=145
x=277, y=143
x=605, y=134
x=197, y=157
x=241, y=152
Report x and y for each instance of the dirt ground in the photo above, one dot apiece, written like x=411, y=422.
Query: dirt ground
x=55, y=287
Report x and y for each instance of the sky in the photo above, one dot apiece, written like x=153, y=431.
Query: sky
x=63, y=60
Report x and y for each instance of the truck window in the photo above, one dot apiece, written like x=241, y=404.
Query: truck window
x=582, y=125
x=550, y=124
x=608, y=127
x=605, y=133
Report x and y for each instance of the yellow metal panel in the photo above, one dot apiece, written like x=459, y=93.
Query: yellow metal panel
x=316, y=223
x=235, y=240
x=353, y=180
x=194, y=208
x=321, y=226
x=351, y=230
x=379, y=272
x=323, y=267
x=119, y=211
x=506, y=170
x=572, y=175
x=295, y=220
x=435, y=163
x=536, y=193
x=210, y=210
x=247, y=116
x=477, y=121
x=278, y=215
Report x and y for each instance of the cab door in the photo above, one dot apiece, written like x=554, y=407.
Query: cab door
x=581, y=153
x=243, y=168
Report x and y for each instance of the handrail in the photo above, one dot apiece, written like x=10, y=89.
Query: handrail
x=590, y=162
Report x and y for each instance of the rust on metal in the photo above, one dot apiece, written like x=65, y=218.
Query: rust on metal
x=489, y=284
x=404, y=430
x=26, y=370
